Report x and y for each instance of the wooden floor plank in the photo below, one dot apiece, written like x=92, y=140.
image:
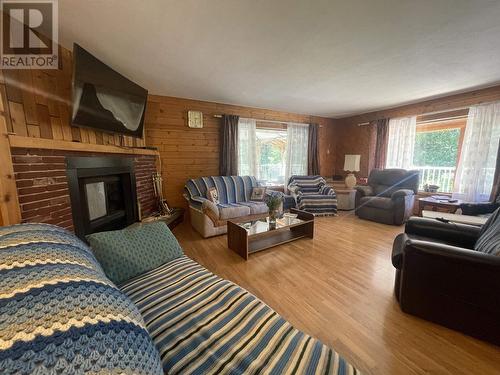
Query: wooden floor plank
x=338, y=287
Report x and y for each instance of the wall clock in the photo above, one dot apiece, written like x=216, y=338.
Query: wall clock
x=195, y=119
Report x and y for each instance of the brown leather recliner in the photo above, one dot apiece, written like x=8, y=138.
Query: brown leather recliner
x=389, y=196
x=444, y=274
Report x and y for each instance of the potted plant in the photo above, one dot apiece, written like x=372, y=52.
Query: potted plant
x=273, y=204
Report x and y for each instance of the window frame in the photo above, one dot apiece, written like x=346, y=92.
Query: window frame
x=439, y=122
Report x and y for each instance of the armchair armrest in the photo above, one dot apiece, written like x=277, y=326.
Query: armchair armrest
x=401, y=193
x=461, y=235
x=475, y=209
x=364, y=191
x=326, y=190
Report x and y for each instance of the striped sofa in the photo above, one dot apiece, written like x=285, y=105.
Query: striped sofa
x=59, y=314
x=313, y=195
x=210, y=219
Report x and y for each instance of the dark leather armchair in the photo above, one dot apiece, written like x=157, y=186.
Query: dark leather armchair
x=389, y=196
x=441, y=278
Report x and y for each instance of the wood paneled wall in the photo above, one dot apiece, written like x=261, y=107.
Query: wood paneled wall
x=354, y=139
x=37, y=103
x=187, y=153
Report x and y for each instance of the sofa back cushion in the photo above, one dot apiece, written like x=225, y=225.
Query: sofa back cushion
x=384, y=182
x=60, y=314
x=489, y=237
x=231, y=189
x=128, y=252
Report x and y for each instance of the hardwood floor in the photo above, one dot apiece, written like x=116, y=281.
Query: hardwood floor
x=338, y=288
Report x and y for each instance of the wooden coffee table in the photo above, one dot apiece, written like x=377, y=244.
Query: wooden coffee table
x=248, y=235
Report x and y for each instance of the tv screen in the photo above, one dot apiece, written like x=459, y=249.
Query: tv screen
x=103, y=98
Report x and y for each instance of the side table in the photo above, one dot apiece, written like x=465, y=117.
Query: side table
x=346, y=199
x=436, y=204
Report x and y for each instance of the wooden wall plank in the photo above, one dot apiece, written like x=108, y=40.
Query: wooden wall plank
x=33, y=131
x=57, y=132
x=12, y=85
x=75, y=134
x=4, y=105
x=28, y=94
x=17, y=118
x=84, y=133
x=44, y=121
x=9, y=202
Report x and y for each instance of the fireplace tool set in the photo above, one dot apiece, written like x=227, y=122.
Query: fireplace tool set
x=163, y=208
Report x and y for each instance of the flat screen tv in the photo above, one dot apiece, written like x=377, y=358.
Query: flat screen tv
x=103, y=98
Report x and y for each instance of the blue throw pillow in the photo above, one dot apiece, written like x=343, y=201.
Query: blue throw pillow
x=129, y=252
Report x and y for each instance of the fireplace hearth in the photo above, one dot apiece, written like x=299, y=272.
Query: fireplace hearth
x=102, y=192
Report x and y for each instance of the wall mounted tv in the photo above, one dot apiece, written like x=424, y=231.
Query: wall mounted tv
x=103, y=98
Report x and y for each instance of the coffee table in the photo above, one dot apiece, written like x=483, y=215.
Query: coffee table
x=247, y=235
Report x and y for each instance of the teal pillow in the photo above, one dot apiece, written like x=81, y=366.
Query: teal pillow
x=129, y=252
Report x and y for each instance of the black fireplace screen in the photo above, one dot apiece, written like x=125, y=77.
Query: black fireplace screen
x=103, y=193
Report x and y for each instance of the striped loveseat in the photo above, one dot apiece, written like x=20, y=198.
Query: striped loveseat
x=313, y=195
x=208, y=218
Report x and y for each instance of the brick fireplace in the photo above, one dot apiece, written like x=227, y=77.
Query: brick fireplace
x=42, y=184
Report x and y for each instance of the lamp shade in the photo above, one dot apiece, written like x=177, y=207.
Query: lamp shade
x=351, y=163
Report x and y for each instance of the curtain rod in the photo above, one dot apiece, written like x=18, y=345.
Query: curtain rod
x=271, y=121
x=426, y=114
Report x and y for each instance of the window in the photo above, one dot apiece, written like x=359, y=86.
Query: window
x=430, y=144
x=272, y=152
x=436, y=153
x=271, y=146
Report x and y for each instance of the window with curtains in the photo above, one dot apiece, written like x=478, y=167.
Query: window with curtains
x=272, y=152
x=431, y=146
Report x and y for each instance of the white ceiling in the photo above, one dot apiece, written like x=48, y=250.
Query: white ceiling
x=322, y=57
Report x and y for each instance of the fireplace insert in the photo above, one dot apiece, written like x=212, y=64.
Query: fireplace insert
x=102, y=192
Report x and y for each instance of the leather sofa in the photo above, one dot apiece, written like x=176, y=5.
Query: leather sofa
x=448, y=273
x=389, y=196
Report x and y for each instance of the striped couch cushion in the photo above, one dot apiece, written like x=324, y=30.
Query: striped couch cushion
x=203, y=324
x=231, y=189
x=59, y=314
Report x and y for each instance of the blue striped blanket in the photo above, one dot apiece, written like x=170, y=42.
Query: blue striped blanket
x=203, y=324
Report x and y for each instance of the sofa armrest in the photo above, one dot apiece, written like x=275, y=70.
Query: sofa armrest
x=364, y=191
x=401, y=193
x=461, y=235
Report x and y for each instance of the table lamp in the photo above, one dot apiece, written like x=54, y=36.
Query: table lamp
x=351, y=164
